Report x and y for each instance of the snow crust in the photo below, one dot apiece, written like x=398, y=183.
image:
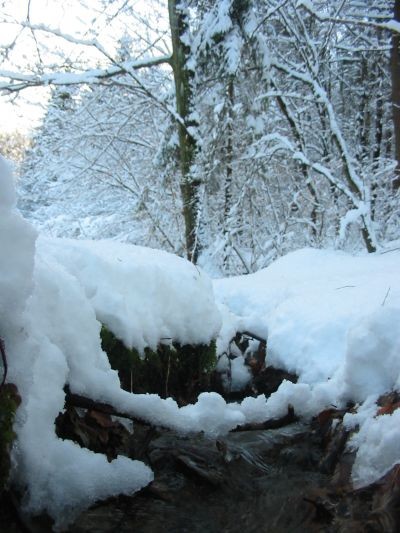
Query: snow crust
x=330, y=317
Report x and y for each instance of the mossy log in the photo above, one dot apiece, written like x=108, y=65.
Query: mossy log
x=173, y=370
x=9, y=401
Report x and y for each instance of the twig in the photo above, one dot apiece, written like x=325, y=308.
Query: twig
x=386, y=295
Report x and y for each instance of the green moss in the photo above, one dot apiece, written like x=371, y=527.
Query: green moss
x=9, y=401
x=172, y=370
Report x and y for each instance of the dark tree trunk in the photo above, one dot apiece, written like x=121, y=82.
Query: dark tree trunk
x=395, y=67
x=187, y=143
x=230, y=93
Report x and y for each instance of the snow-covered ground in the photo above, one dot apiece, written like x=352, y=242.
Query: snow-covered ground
x=330, y=317
x=333, y=319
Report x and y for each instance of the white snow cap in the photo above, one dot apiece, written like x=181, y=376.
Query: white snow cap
x=143, y=296
x=308, y=301
x=53, y=338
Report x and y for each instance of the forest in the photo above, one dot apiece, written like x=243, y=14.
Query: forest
x=200, y=248
x=259, y=128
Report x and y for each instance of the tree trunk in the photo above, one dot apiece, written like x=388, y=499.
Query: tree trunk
x=395, y=67
x=230, y=93
x=187, y=143
x=229, y=151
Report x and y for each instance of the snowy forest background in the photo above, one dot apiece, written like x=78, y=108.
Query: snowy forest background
x=265, y=126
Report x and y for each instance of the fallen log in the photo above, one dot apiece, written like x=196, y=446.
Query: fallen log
x=76, y=400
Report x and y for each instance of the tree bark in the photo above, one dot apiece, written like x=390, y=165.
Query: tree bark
x=230, y=93
x=395, y=68
x=183, y=78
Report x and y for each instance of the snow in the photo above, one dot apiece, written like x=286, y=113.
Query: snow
x=373, y=348
x=350, y=217
x=240, y=374
x=218, y=22
x=75, y=78
x=330, y=317
x=333, y=319
x=393, y=25
x=17, y=240
x=234, y=44
x=7, y=197
x=308, y=300
x=142, y=295
x=52, y=298
x=377, y=445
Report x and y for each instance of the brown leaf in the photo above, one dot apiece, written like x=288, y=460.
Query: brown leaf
x=101, y=419
x=388, y=409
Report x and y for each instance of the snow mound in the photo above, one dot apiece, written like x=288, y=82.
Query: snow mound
x=61, y=345
x=377, y=445
x=142, y=295
x=7, y=197
x=333, y=319
x=308, y=301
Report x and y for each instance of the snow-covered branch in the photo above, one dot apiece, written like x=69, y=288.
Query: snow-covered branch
x=390, y=25
x=12, y=81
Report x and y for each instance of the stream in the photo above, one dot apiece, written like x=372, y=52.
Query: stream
x=289, y=477
x=247, y=481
